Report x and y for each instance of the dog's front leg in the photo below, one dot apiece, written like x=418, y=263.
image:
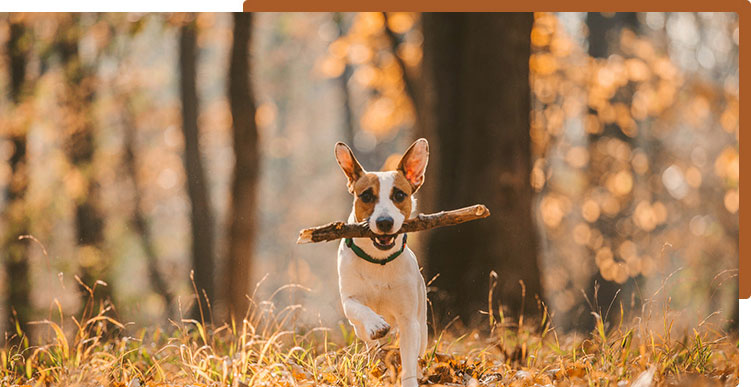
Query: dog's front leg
x=409, y=347
x=369, y=326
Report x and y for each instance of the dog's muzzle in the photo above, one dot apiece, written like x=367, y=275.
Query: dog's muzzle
x=384, y=242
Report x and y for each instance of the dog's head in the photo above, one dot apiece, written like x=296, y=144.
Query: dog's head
x=384, y=198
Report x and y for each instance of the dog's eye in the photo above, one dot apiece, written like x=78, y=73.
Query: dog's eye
x=399, y=195
x=367, y=196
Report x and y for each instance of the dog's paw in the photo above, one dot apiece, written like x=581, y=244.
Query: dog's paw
x=379, y=329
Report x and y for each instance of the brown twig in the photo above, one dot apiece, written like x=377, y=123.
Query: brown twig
x=422, y=222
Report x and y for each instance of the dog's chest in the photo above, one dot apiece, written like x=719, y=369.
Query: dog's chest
x=375, y=285
x=373, y=281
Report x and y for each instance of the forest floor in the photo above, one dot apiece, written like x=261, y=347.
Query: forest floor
x=264, y=350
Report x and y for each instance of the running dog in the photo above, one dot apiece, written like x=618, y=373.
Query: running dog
x=379, y=278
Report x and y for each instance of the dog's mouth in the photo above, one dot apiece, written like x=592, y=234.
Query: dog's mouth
x=384, y=242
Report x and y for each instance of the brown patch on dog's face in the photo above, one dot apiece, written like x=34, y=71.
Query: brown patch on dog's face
x=401, y=194
x=366, y=190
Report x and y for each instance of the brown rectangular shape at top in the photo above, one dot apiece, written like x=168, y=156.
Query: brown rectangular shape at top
x=742, y=7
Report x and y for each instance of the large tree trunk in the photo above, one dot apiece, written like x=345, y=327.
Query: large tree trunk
x=14, y=256
x=245, y=176
x=477, y=104
x=201, y=218
x=80, y=148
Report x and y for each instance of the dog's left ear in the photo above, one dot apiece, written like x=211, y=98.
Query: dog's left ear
x=414, y=162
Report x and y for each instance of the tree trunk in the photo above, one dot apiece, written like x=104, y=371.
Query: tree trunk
x=201, y=217
x=410, y=83
x=606, y=29
x=604, y=40
x=139, y=219
x=242, y=224
x=477, y=103
x=350, y=121
x=80, y=148
x=15, y=257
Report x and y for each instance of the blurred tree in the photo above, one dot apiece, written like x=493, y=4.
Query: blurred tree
x=201, y=218
x=14, y=256
x=604, y=40
x=411, y=82
x=605, y=31
x=623, y=167
x=80, y=84
x=139, y=221
x=477, y=103
x=370, y=60
x=242, y=211
x=350, y=122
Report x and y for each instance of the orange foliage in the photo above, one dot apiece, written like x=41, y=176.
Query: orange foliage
x=623, y=147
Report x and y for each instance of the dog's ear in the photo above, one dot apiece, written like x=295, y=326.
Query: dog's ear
x=414, y=162
x=349, y=164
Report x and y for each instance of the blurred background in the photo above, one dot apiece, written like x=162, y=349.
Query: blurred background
x=143, y=151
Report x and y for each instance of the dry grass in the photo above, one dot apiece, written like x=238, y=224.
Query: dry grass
x=262, y=350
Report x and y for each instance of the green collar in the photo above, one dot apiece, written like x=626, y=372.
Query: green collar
x=370, y=259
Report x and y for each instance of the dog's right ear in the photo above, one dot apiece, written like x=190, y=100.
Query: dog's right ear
x=349, y=164
x=414, y=162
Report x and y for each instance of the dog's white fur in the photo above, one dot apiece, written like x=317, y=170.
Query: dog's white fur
x=377, y=297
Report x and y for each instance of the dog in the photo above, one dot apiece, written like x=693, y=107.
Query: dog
x=379, y=278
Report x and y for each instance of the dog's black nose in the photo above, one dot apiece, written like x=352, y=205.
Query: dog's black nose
x=384, y=223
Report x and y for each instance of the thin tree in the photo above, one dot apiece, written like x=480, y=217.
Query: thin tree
x=14, y=251
x=411, y=82
x=77, y=102
x=477, y=104
x=242, y=213
x=604, y=40
x=605, y=31
x=350, y=121
x=139, y=220
x=201, y=217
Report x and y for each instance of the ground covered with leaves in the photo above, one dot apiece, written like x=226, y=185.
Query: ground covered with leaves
x=266, y=349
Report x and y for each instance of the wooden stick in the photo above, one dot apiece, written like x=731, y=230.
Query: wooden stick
x=338, y=230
